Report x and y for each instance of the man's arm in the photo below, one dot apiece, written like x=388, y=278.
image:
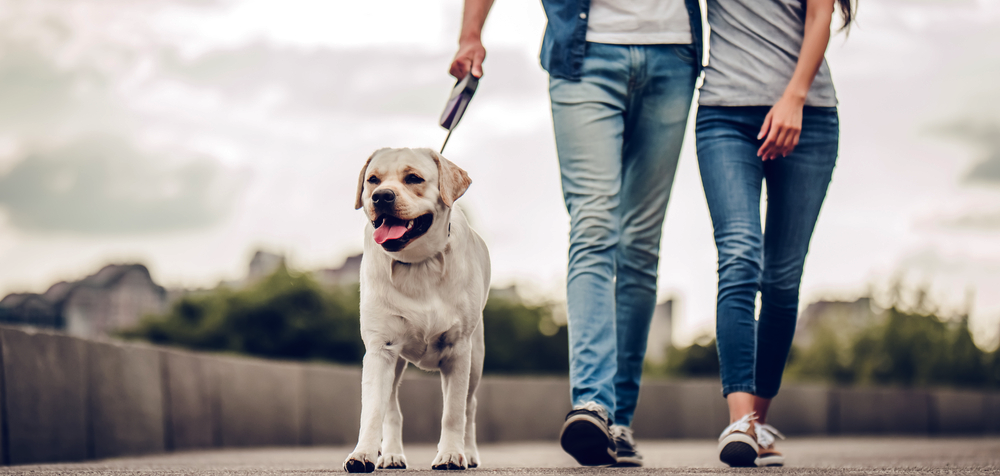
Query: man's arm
x=471, y=53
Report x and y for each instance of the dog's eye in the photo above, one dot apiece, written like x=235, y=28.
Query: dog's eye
x=374, y=180
x=414, y=178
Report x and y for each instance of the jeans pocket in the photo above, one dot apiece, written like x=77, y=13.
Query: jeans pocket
x=685, y=53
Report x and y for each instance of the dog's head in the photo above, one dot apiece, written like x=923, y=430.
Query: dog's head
x=407, y=195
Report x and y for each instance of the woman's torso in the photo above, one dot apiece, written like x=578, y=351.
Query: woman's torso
x=754, y=47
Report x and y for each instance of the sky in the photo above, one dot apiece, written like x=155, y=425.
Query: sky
x=186, y=134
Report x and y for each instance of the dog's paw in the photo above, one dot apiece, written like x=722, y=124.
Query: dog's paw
x=449, y=460
x=392, y=461
x=359, y=462
x=473, y=457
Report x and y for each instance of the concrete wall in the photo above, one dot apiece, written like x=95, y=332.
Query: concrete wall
x=67, y=399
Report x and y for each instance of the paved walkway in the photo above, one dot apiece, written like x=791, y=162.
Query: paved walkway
x=827, y=456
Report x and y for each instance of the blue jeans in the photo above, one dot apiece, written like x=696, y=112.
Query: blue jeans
x=618, y=134
x=752, y=352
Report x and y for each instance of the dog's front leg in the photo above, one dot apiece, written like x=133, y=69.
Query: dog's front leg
x=376, y=385
x=455, y=384
x=392, y=426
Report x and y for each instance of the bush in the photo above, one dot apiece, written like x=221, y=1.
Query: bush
x=285, y=316
x=290, y=316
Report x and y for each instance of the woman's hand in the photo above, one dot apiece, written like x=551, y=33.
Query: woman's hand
x=782, y=127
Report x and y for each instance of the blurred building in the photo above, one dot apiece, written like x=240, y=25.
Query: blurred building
x=262, y=265
x=660, y=332
x=347, y=274
x=846, y=317
x=117, y=296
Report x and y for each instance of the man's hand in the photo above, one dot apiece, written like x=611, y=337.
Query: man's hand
x=470, y=56
x=782, y=127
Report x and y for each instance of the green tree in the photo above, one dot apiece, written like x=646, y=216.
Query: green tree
x=516, y=343
x=285, y=315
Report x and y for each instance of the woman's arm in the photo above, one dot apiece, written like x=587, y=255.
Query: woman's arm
x=471, y=52
x=783, y=123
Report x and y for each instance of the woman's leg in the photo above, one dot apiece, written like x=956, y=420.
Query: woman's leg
x=796, y=187
x=654, y=130
x=732, y=174
x=588, y=120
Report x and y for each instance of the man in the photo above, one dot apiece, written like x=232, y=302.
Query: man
x=622, y=75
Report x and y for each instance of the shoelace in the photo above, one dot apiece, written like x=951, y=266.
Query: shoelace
x=594, y=407
x=743, y=424
x=766, y=434
x=623, y=432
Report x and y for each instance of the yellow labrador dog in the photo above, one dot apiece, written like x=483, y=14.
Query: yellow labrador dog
x=425, y=277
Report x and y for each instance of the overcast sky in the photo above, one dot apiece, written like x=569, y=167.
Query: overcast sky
x=185, y=134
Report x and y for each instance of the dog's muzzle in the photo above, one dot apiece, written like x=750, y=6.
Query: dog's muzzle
x=394, y=233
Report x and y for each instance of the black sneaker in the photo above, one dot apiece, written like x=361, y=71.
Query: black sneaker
x=625, y=450
x=586, y=437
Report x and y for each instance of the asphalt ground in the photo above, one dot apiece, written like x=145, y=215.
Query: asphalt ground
x=814, y=456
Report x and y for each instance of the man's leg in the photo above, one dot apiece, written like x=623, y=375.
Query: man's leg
x=656, y=117
x=589, y=123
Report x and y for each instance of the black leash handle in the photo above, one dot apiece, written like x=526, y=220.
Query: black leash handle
x=461, y=94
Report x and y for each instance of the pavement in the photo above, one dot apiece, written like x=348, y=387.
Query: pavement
x=813, y=456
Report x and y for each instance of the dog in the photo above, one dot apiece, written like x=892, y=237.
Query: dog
x=425, y=277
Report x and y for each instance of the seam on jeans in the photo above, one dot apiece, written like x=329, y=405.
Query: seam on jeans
x=756, y=340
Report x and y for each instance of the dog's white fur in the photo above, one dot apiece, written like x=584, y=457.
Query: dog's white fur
x=421, y=304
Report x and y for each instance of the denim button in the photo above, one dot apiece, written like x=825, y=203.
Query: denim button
x=583, y=16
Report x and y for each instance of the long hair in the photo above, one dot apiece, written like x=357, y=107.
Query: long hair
x=848, y=8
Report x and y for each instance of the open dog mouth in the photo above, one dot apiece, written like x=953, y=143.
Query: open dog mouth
x=394, y=233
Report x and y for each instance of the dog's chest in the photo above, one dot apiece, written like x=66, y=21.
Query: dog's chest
x=429, y=349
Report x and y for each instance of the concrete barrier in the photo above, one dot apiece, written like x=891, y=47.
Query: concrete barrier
x=959, y=412
x=126, y=400
x=260, y=402
x=882, y=411
x=421, y=403
x=66, y=399
x=332, y=405
x=45, y=397
x=993, y=412
x=801, y=410
x=522, y=408
x=190, y=416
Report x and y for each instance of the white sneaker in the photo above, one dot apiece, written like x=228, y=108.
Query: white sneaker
x=738, y=443
x=767, y=455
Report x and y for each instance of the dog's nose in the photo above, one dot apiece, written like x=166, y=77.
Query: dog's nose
x=383, y=197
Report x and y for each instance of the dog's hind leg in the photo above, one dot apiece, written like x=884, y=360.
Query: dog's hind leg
x=455, y=373
x=475, y=375
x=392, y=427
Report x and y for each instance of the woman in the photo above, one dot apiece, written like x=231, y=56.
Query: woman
x=767, y=113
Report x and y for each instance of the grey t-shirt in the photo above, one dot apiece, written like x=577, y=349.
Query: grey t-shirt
x=753, y=51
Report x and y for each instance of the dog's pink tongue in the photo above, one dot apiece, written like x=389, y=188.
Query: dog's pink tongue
x=388, y=232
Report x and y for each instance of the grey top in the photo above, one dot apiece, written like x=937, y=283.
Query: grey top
x=754, y=47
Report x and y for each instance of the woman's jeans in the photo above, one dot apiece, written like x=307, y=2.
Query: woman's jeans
x=752, y=352
x=618, y=134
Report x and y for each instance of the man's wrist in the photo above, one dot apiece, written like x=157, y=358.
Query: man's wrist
x=470, y=40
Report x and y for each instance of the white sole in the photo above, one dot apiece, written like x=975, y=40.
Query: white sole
x=772, y=460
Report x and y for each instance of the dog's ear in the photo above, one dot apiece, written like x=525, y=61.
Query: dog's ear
x=361, y=181
x=452, y=180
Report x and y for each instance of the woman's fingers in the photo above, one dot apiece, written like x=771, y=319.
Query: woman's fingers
x=766, y=125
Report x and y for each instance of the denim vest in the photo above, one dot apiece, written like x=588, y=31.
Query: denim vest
x=565, y=42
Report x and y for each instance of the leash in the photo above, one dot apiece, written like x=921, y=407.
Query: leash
x=461, y=94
